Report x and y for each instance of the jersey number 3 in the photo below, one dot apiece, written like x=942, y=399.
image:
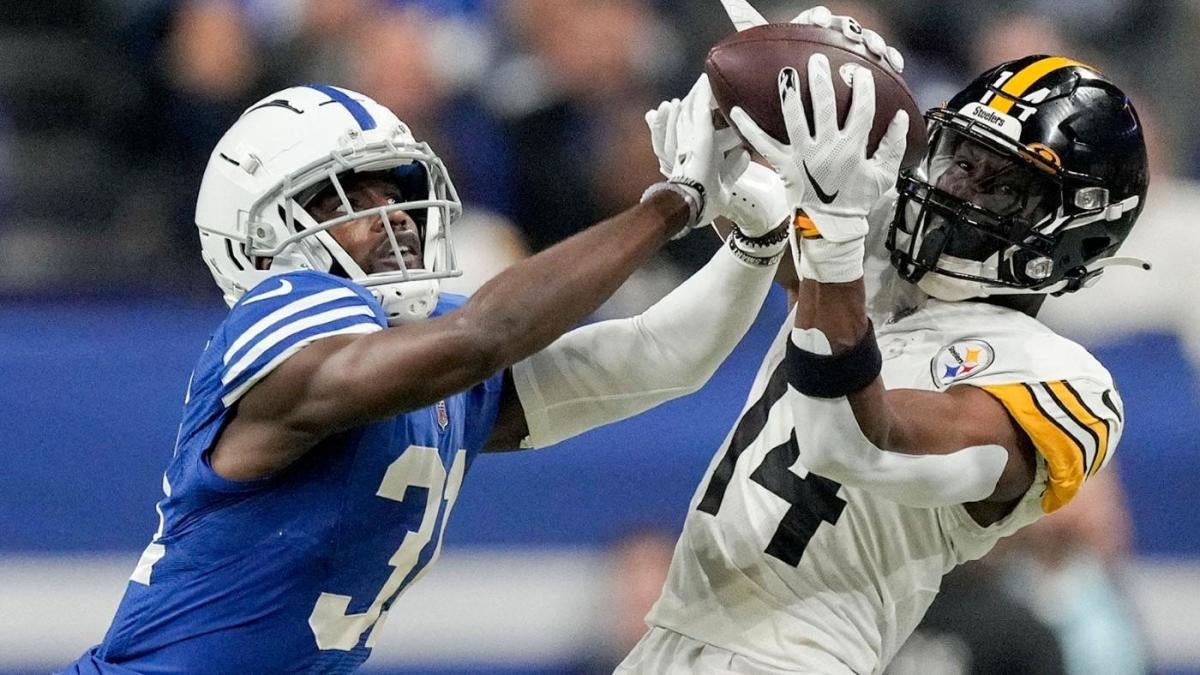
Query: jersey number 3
x=417, y=467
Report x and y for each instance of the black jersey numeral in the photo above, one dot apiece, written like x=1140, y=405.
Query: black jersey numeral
x=812, y=499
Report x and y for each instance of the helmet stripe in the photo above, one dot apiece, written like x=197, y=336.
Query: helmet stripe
x=356, y=109
x=1023, y=81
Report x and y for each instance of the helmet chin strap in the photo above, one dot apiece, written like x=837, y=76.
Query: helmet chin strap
x=950, y=289
x=1123, y=261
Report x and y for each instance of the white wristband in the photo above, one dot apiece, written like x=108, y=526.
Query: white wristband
x=692, y=194
x=830, y=262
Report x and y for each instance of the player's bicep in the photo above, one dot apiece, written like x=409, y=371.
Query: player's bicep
x=345, y=381
x=940, y=423
x=1074, y=426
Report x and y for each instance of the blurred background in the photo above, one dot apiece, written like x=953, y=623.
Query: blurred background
x=109, y=108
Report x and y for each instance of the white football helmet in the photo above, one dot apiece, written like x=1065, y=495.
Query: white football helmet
x=281, y=152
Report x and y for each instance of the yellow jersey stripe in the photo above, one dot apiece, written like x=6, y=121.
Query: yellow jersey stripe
x=1080, y=415
x=1020, y=83
x=1097, y=424
x=1064, y=454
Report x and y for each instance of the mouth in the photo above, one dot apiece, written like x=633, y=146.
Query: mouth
x=409, y=249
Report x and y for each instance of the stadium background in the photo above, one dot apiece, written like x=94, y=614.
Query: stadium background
x=108, y=109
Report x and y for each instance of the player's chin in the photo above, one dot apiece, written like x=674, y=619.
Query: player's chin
x=389, y=263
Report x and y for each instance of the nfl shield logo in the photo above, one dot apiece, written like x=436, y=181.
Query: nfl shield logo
x=443, y=417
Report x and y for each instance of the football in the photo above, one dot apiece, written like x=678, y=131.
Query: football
x=744, y=69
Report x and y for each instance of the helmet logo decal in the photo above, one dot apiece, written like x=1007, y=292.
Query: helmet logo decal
x=1046, y=154
x=276, y=103
x=1005, y=124
x=961, y=360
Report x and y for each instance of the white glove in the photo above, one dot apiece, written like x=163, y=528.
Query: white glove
x=833, y=162
x=706, y=159
x=820, y=16
x=662, y=122
x=756, y=201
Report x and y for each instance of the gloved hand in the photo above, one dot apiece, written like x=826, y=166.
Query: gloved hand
x=756, y=202
x=700, y=162
x=827, y=174
x=821, y=16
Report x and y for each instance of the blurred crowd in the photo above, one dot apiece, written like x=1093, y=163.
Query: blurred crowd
x=109, y=108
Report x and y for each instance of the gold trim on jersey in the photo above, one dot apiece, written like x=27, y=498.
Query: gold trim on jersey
x=1085, y=417
x=1021, y=82
x=1065, y=432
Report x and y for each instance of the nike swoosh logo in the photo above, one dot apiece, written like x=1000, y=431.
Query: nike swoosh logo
x=285, y=287
x=825, y=197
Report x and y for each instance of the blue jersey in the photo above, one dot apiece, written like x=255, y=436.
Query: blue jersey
x=294, y=572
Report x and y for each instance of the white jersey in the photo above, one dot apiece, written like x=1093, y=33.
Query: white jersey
x=803, y=574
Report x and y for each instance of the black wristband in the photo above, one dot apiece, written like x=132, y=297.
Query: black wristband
x=749, y=257
x=837, y=375
x=767, y=240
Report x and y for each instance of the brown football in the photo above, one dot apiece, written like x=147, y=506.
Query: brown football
x=744, y=70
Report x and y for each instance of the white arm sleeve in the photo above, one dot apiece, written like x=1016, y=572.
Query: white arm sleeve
x=833, y=445
x=611, y=370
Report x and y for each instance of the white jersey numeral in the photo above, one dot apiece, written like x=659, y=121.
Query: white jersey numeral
x=417, y=467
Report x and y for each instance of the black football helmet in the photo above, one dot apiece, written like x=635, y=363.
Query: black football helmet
x=1034, y=175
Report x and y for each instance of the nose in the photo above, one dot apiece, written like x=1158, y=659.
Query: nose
x=398, y=219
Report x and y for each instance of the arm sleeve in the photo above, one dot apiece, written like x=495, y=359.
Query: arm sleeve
x=611, y=370
x=832, y=445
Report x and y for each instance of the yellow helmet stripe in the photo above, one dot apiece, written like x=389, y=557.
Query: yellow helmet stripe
x=1020, y=83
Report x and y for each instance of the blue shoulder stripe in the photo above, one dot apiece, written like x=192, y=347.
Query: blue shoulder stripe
x=303, y=304
x=289, y=332
x=251, y=370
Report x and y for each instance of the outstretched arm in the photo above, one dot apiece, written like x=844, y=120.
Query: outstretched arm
x=853, y=429
x=348, y=380
x=615, y=369
x=611, y=370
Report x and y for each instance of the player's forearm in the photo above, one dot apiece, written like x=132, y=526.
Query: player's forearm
x=848, y=428
x=611, y=370
x=838, y=311
x=529, y=305
x=833, y=445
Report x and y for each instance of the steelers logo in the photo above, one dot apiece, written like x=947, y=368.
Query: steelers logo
x=961, y=360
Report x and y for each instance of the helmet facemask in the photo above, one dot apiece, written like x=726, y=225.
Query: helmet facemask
x=1035, y=174
x=976, y=218
x=283, y=234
